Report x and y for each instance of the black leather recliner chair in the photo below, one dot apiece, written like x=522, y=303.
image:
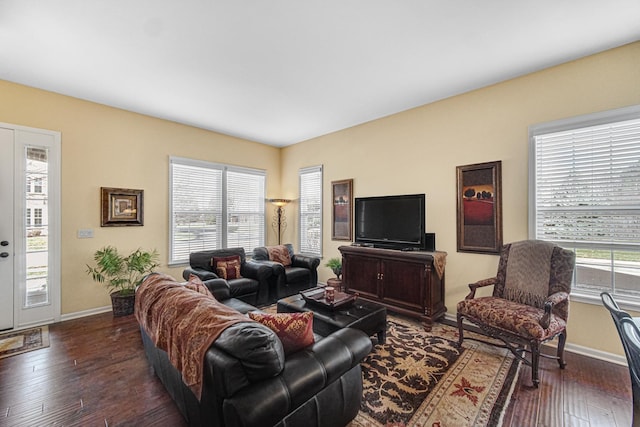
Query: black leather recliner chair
x=252, y=287
x=288, y=280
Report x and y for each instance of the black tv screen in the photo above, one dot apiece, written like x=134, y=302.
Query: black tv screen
x=395, y=222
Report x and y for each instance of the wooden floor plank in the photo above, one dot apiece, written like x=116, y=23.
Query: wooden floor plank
x=95, y=374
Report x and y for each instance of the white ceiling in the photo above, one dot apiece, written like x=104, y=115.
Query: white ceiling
x=283, y=71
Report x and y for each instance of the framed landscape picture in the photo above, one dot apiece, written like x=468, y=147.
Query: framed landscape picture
x=121, y=207
x=479, y=202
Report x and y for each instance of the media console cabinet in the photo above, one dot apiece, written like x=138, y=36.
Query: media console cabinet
x=405, y=282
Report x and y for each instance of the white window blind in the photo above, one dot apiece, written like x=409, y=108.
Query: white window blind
x=585, y=196
x=588, y=185
x=245, y=209
x=311, y=210
x=214, y=206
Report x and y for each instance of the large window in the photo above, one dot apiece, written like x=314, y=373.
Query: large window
x=311, y=211
x=214, y=206
x=585, y=195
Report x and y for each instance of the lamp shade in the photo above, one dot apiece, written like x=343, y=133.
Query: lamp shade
x=279, y=202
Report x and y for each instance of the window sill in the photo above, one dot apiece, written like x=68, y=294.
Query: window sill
x=596, y=300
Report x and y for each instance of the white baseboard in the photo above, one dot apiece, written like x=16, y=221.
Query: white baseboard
x=85, y=313
x=574, y=348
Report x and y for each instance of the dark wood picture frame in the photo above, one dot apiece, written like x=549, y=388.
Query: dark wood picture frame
x=342, y=209
x=121, y=207
x=479, y=203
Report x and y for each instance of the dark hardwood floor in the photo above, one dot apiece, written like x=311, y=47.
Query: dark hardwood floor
x=95, y=374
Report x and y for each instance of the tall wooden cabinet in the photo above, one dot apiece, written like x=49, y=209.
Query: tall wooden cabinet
x=404, y=282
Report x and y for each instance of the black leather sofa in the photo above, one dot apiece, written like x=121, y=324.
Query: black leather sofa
x=319, y=386
x=252, y=287
x=286, y=281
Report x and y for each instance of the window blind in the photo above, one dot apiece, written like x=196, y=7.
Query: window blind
x=214, y=206
x=245, y=209
x=311, y=210
x=588, y=185
x=196, y=208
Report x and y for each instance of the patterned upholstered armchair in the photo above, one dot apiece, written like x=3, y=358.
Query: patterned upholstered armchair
x=530, y=300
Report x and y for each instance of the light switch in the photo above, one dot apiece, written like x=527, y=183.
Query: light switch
x=85, y=233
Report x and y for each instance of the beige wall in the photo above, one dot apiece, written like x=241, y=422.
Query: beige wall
x=417, y=151
x=107, y=147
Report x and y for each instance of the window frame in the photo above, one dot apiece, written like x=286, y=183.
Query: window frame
x=302, y=245
x=563, y=125
x=224, y=209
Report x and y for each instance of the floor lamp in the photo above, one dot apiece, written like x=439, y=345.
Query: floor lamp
x=279, y=223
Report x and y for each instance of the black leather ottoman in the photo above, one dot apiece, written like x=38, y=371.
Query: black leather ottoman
x=369, y=317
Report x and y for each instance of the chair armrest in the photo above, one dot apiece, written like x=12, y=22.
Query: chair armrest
x=203, y=274
x=311, y=263
x=256, y=270
x=551, y=300
x=219, y=288
x=480, y=284
x=276, y=268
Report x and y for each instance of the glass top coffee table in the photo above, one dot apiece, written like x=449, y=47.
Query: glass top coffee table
x=369, y=317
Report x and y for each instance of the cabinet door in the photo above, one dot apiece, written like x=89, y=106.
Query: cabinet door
x=360, y=274
x=403, y=284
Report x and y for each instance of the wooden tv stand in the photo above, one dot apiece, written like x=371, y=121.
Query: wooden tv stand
x=404, y=282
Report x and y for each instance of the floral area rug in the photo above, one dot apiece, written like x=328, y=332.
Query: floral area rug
x=19, y=342
x=422, y=379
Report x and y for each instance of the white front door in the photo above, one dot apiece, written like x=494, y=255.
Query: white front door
x=29, y=227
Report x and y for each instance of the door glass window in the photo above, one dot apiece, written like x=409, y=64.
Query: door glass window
x=37, y=230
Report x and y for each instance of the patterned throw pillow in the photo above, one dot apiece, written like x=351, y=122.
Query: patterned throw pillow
x=195, y=284
x=279, y=254
x=227, y=267
x=295, y=330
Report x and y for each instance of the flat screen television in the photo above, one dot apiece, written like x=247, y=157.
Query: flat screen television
x=393, y=222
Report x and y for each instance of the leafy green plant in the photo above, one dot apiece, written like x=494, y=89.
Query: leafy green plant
x=122, y=273
x=335, y=264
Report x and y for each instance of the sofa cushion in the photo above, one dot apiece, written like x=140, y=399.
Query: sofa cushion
x=295, y=330
x=279, y=254
x=511, y=316
x=227, y=267
x=257, y=349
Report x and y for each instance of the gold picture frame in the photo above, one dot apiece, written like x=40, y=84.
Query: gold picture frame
x=342, y=209
x=479, y=206
x=121, y=207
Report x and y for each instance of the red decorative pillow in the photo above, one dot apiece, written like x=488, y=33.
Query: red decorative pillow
x=279, y=254
x=295, y=330
x=195, y=284
x=227, y=267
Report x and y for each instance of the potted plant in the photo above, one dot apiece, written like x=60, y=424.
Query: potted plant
x=121, y=274
x=335, y=264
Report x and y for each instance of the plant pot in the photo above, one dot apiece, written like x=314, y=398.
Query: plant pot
x=336, y=283
x=123, y=305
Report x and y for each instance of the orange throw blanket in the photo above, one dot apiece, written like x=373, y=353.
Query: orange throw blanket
x=182, y=322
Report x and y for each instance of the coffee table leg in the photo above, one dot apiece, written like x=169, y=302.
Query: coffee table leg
x=382, y=336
